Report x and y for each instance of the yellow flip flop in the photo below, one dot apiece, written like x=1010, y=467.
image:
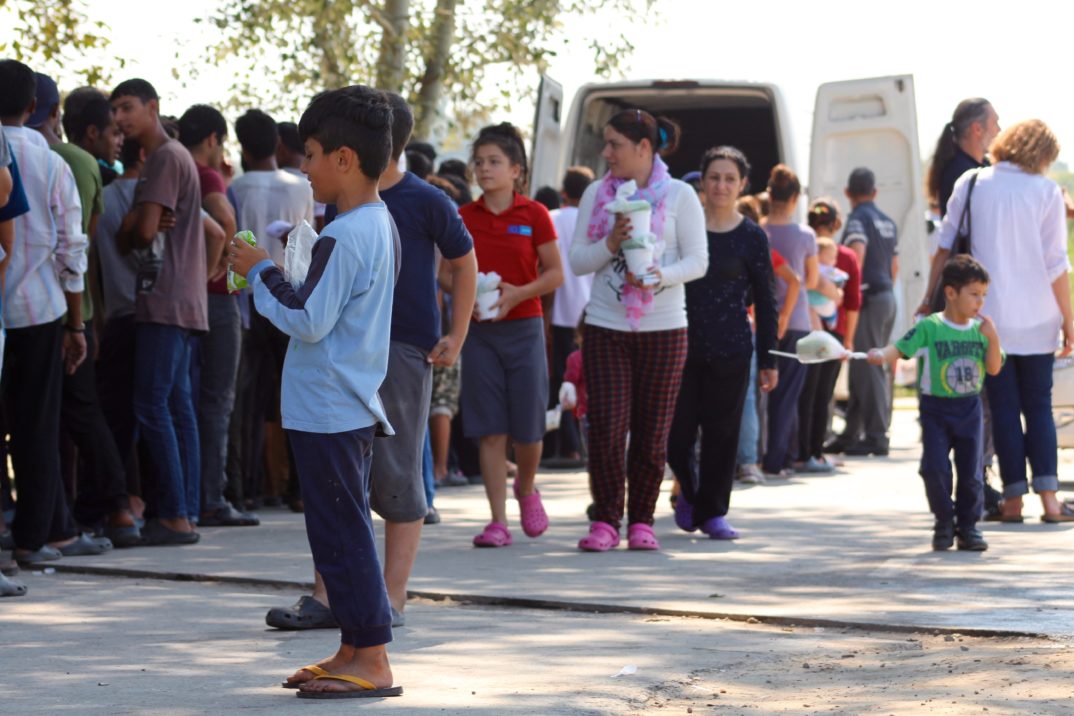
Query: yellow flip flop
x=312, y=668
x=367, y=690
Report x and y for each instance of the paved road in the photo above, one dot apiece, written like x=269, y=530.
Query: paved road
x=853, y=547
x=96, y=646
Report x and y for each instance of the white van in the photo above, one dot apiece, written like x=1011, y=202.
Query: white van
x=869, y=122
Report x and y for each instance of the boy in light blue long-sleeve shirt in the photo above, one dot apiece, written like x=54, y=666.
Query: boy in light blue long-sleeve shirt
x=340, y=325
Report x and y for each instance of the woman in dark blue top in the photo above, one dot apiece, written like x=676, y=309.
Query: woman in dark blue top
x=717, y=368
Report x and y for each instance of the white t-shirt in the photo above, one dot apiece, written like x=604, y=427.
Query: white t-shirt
x=263, y=197
x=686, y=258
x=1019, y=234
x=571, y=297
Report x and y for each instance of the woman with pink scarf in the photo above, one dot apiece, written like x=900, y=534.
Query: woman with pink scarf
x=635, y=332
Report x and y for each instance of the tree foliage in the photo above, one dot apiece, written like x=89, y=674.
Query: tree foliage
x=57, y=33
x=291, y=49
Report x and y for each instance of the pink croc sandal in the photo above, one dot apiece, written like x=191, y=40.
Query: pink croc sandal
x=640, y=536
x=495, y=535
x=534, y=518
x=601, y=538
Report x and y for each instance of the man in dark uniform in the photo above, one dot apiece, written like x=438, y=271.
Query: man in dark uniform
x=873, y=237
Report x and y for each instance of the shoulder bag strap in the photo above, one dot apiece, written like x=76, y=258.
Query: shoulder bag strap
x=963, y=241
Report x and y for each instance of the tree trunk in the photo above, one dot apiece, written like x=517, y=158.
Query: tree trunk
x=429, y=114
x=391, y=64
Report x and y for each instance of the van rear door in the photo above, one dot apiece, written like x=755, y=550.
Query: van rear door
x=547, y=133
x=873, y=123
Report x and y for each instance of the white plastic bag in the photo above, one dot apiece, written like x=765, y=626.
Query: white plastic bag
x=552, y=419
x=299, y=253
x=819, y=347
x=568, y=396
x=488, y=293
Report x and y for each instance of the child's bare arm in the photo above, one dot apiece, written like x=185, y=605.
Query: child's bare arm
x=884, y=356
x=994, y=354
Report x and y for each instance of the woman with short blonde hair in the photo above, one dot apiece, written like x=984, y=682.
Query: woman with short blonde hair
x=1030, y=145
x=1019, y=234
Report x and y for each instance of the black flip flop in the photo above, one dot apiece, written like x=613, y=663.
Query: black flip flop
x=1004, y=519
x=129, y=536
x=155, y=534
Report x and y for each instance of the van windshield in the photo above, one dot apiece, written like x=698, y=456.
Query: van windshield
x=744, y=117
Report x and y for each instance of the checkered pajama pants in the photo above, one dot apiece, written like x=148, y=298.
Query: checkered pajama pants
x=632, y=382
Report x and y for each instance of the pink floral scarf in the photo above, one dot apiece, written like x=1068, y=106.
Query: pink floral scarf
x=637, y=301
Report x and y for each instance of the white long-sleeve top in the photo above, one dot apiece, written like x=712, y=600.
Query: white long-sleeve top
x=1019, y=234
x=49, y=254
x=686, y=258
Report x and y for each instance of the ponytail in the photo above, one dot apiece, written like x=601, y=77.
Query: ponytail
x=783, y=184
x=664, y=134
x=967, y=113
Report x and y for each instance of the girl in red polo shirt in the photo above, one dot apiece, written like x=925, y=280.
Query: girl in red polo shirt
x=504, y=370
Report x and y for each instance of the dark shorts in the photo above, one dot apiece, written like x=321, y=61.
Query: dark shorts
x=397, y=490
x=505, y=380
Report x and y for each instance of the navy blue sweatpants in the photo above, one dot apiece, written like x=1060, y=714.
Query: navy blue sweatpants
x=946, y=424
x=333, y=469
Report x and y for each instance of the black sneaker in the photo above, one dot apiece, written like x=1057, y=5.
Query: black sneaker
x=943, y=536
x=836, y=446
x=864, y=449
x=228, y=516
x=970, y=540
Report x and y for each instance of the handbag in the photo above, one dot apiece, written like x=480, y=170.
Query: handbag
x=963, y=243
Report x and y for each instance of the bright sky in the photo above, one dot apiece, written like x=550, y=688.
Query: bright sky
x=1014, y=53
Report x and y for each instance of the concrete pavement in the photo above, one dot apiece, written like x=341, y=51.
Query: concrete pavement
x=97, y=646
x=848, y=548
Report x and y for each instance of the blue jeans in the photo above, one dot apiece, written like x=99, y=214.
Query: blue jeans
x=427, y=470
x=164, y=409
x=952, y=424
x=750, y=430
x=1024, y=388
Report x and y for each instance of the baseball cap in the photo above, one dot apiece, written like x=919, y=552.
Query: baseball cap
x=862, y=182
x=691, y=177
x=48, y=96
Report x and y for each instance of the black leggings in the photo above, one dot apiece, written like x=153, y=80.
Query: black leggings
x=814, y=407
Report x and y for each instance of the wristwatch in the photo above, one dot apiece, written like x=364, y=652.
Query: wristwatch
x=80, y=328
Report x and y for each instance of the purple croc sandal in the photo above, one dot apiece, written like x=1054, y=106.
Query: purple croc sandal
x=719, y=528
x=684, y=515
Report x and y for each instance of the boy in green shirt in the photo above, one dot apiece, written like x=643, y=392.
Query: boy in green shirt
x=955, y=348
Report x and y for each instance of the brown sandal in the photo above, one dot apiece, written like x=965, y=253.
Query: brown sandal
x=1066, y=514
x=1006, y=519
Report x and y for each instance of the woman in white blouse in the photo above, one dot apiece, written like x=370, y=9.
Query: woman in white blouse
x=1018, y=232
x=635, y=332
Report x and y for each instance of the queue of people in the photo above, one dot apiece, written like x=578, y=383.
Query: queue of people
x=148, y=395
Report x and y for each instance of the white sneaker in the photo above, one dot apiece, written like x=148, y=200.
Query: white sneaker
x=750, y=475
